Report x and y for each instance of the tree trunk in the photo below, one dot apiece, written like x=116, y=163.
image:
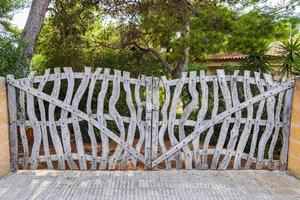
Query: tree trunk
x=34, y=25
x=183, y=62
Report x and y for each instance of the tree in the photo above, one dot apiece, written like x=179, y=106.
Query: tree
x=34, y=25
x=179, y=32
x=171, y=35
x=11, y=46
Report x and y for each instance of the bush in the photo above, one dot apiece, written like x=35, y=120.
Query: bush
x=12, y=60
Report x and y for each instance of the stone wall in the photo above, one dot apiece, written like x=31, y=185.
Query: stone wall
x=294, y=144
x=4, y=125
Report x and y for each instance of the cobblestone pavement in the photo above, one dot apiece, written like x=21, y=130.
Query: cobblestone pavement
x=181, y=184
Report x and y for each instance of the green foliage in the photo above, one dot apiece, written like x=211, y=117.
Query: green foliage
x=11, y=55
x=7, y=8
x=76, y=37
x=291, y=60
x=11, y=46
x=259, y=62
x=195, y=67
x=252, y=32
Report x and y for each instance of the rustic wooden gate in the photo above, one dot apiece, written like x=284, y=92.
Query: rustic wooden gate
x=98, y=120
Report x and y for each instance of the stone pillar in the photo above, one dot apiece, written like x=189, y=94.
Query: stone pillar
x=294, y=142
x=4, y=130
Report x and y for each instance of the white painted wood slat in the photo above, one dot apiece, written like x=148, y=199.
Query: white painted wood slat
x=91, y=132
x=51, y=115
x=43, y=120
x=224, y=128
x=65, y=132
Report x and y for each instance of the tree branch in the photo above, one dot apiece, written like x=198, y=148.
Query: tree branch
x=161, y=58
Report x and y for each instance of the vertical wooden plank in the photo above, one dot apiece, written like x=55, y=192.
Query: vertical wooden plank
x=132, y=122
x=172, y=117
x=101, y=119
x=200, y=117
x=248, y=125
x=277, y=128
x=52, y=126
x=116, y=117
x=89, y=112
x=77, y=132
x=43, y=120
x=65, y=132
x=224, y=128
x=164, y=113
x=148, y=120
x=13, y=136
x=270, y=124
x=140, y=122
x=23, y=129
x=210, y=132
x=234, y=133
x=35, y=151
x=257, y=120
x=155, y=118
x=185, y=115
x=287, y=109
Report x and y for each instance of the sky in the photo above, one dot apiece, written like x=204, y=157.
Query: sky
x=20, y=17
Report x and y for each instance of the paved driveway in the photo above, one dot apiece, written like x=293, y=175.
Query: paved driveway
x=192, y=184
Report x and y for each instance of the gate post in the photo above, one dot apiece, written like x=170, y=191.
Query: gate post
x=4, y=130
x=294, y=140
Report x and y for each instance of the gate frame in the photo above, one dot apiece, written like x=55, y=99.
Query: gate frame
x=151, y=120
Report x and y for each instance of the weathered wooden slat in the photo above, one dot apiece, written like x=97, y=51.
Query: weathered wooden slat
x=13, y=135
x=248, y=125
x=43, y=120
x=89, y=112
x=117, y=118
x=270, y=125
x=185, y=115
x=51, y=115
x=210, y=132
x=80, y=114
x=35, y=125
x=277, y=128
x=101, y=119
x=287, y=85
x=256, y=124
x=234, y=133
x=148, y=119
x=164, y=113
x=65, y=132
x=133, y=120
x=77, y=132
x=140, y=122
x=172, y=116
x=23, y=129
x=200, y=118
x=228, y=104
x=287, y=109
x=155, y=117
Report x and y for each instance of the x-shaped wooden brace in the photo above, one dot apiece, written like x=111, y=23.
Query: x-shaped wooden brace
x=280, y=88
x=82, y=115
